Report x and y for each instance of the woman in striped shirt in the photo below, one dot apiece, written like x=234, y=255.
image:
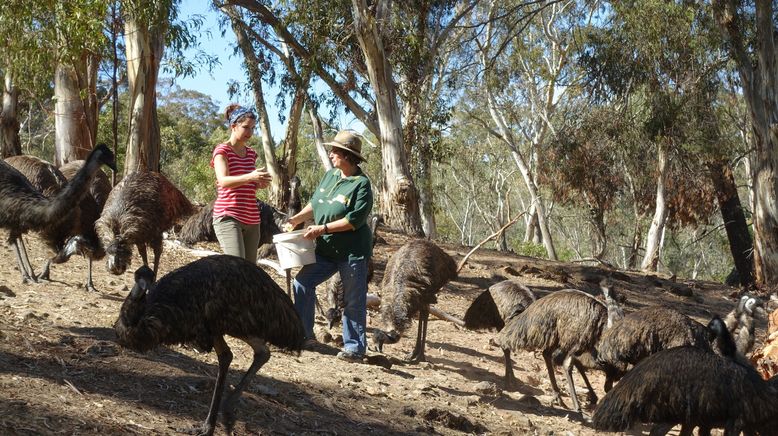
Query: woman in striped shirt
x=235, y=213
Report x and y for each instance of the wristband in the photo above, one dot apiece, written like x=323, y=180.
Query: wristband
x=326, y=230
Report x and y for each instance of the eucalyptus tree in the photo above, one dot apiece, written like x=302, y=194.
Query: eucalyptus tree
x=360, y=52
x=524, y=49
x=26, y=57
x=750, y=27
x=78, y=30
x=657, y=54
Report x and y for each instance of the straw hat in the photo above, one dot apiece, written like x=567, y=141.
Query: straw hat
x=349, y=141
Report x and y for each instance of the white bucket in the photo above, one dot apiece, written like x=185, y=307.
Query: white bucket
x=294, y=250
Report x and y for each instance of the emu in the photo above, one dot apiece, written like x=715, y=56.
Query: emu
x=693, y=387
x=201, y=302
x=565, y=325
x=496, y=306
x=412, y=279
x=740, y=322
x=643, y=333
x=86, y=242
x=142, y=206
x=23, y=208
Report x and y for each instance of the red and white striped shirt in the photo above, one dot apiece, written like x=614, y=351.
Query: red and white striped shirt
x=239, y=202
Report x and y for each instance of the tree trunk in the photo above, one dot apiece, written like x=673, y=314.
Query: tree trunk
x=734, y=220
x=655, y=232
x=10, y=144
x=145, y=46
x=400, y=201
x=318, y=137
x=599, y=241
x=757, y=66
x=75, y=117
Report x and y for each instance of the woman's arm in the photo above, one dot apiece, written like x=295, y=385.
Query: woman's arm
x=301, y=217
x=225, y=180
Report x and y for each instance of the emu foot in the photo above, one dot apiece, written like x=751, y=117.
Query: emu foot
x=89, y=287
x=557, y=399
x=415, y=358
x=26, y=279
x=199, y=430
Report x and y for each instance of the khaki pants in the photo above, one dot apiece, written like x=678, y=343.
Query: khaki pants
x=236, y=238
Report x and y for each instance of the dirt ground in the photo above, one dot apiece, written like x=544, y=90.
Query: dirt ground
x=62, y=373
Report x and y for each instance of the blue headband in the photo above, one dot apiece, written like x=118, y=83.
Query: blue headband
x=239, y=112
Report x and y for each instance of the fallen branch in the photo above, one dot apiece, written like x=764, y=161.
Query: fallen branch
x=488, y=238
x=374, y=301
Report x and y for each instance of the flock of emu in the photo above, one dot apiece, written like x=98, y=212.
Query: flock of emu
x=660, y=366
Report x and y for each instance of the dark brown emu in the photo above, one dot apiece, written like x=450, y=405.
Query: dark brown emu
x=643, y=333
x=565, y=325
x=139, y=209
x=692, y=387
x=86, y=242
x=201, y=302
x=412, y=279
x=495, y=306
x=23, y=208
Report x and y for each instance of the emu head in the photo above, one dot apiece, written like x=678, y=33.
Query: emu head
x=750, y=305
x=119, y=256
x=380, y=338
x=144, y=278
x=104, y=155
x=74, y=244
x=724, y=341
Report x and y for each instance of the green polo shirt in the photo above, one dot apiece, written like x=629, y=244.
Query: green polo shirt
x=339, y=197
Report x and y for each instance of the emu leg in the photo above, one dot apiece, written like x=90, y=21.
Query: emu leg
x=44, y=275
x=156, y=247
x=568, y=366
x=142, y=252
x=418, y=350
x=224, y=355
x=90, y=286
x=547, y=357
x=27, y=276
x=510, y=379
x=591, y=396
x=261, y=356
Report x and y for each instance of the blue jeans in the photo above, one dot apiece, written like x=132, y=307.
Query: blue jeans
x=353, y=273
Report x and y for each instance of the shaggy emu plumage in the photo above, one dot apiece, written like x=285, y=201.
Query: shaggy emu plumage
x=23, y=208
x=413, y=276
x=199, y=226
x=142, y=206
x=643, y=333
x=86, y=242
x=334, y=286
x=695, y=388
x=494, y=307
x=740, y=322
x=566, y=323
x=201, y=302
x=48, y=180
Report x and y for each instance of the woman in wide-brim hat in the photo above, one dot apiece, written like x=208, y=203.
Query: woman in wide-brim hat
x=339, y=207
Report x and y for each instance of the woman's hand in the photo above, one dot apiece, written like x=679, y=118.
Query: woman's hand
x=313, y=232
x=262, y=177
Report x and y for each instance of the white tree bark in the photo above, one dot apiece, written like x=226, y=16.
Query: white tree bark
x=760, y=88
x=655, y=232
x=400, y=200
x=10, y=144
x=145, y=46
x=75, y=109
